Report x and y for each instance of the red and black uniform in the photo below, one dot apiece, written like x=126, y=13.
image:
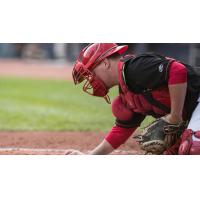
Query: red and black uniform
x=143, y=90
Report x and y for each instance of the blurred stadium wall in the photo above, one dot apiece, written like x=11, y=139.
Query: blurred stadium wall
x=189, y=53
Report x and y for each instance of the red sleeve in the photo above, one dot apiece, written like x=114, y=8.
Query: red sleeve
x=177, y=73
x=119, y=135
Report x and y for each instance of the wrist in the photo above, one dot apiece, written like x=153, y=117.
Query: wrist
x=173, y=118
x=176, y=117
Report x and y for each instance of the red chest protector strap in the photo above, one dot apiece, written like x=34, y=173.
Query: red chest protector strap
x=147, y=94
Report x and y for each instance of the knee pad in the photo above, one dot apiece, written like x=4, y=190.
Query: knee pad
x=120, y=111
x=188, y=146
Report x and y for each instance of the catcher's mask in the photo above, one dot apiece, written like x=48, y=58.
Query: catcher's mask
x=88, y=59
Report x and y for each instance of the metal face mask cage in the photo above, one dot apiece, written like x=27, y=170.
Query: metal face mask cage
x=95, y=87
x=79, y=73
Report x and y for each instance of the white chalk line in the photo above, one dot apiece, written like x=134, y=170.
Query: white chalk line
x=29, y=149
x=6, y=149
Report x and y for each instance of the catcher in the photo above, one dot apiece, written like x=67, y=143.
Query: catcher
x=149, y=84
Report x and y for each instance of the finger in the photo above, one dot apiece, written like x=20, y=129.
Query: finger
x=69, y=151
x=73, y=153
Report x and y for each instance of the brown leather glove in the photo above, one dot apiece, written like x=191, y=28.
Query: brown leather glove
x=159, y=135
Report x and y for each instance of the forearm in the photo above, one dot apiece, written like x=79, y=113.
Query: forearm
x=102, y=149
x=177, y=85
x=177, y=96
x=113, y=140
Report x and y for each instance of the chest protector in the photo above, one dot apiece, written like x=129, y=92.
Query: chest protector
x=139, y=103
x=149, y=93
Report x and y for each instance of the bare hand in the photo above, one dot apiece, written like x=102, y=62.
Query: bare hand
x=73, y=152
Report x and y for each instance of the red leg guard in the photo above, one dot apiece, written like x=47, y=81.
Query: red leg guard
x=188, y=146
x=195, y=149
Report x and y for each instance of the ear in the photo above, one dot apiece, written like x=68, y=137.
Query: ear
x=107, y=63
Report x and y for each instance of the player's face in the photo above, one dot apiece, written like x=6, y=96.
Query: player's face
x=102, y=71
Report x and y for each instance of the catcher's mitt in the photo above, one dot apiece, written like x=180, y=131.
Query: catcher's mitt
x=159, y=135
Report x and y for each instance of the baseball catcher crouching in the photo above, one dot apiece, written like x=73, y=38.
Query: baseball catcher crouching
x=149, y=84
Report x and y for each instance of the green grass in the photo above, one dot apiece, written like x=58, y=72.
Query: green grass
x=49, y=105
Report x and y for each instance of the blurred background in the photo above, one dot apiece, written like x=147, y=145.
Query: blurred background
x=185, y=52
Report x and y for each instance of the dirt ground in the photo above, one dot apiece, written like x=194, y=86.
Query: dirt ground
x=49, y=143
x=56, y=143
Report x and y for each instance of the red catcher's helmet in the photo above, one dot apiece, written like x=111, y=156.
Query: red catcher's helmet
x=88, y=59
